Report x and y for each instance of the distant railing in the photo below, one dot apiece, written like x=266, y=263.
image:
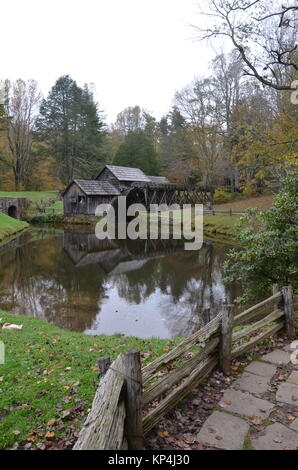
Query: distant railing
x=228, y=212
x=123, y=409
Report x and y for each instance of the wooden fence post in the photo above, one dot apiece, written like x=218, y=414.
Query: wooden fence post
x=225, y=347
x=133, y=399
x=287, y=293
x=103, y=365
x=275, y=289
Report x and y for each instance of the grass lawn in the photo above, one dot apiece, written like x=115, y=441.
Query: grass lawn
x=227, y=225
x=56, y=208
x=33, y=195
x=10, y=226
x=50, y=376
x=221, y=225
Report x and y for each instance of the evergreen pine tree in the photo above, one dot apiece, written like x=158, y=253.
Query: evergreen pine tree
x=137, y=151
x=70, y=125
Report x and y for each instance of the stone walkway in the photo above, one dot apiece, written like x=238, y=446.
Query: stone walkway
x=260, y=409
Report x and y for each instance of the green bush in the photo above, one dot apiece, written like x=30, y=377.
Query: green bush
x=221, y=196
x=47, y=218
x=271, y=247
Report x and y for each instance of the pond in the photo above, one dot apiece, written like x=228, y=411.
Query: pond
x=144, y=288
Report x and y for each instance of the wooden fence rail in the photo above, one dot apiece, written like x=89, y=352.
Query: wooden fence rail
x=131, y=400
x=227, y=212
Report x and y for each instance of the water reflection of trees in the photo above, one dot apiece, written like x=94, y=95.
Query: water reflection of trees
x=66, y=279
x=38, y=279
x=192, y=283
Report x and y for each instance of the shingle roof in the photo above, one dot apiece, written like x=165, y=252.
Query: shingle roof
x=159, y=179
x=124, y=173
x=97, y=188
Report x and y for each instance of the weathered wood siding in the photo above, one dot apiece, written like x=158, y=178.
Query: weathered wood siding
x=88, y=204
x=94, y=201
x=71, y=203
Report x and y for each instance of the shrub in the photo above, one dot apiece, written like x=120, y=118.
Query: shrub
x=47, y=218
x=221, y=196
x=271, y=247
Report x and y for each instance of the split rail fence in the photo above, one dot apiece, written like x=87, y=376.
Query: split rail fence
x=132, y=399
x=227, y=212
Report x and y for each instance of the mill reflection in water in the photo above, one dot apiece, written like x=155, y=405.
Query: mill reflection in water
x=142, y=288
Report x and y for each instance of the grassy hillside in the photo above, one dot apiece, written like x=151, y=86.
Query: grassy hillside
x=260, y=202
x=50, y=377
x=33, y=195
x=225, y=226
x=221, y=226
x=10, y=226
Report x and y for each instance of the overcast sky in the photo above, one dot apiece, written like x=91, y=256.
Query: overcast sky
x=134, y=51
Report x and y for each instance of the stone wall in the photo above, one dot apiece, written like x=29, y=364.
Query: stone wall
x=14, y=207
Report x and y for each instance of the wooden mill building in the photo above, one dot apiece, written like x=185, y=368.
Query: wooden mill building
x=81, y=197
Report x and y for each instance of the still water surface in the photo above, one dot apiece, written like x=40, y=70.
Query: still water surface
x=141, y=288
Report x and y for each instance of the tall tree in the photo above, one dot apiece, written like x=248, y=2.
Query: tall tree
x=21, y=104
x=132, y=119
x=197, y=104
x=129, y=120
x=137, y=151
x=176, y=149
x=70, y=124
x=226, y=81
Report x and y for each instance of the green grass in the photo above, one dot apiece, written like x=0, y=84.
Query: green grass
x=48, y=370
x=217, y=226
x=222, y=225
x=33, y=195
x=10, y=226
x=57, y=206
x=36, y=196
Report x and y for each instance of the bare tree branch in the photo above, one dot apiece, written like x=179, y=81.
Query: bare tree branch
x=280, y=57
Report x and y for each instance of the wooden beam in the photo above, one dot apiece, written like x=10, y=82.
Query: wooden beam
x=167, y=381
x=287, y=293
x=244, y=348
x=182, y=348
x=257, y=309
x=275, y=315
x=103, y=428
x=103, y=364
x=176, y=395
x=225, y=348
x=133, y=399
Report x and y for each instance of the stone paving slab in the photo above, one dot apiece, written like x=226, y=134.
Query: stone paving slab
x=287, y=393
x=261, y=368
x=293, y=378
x=251, y=383
x=289, y=348
x=245, y=404
x=277, y=357
x=276, y=437
x=294, y=425
x=223, y=431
